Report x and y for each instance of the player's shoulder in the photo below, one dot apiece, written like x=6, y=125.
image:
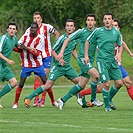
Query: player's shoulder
x=47, y=25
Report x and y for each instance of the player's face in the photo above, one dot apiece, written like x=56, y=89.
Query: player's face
x=37, y=18
x=108, y=20
x=69, y=27
x=33, y=30
x=90, y=22
x=115, y=24
x=11, y=30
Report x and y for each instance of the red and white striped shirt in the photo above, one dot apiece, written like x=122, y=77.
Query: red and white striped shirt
x=45, y=30
x=28, y=59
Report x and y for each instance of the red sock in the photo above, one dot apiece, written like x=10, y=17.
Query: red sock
x=44, y=95
x=85, y=92
x=51, y=95
x=37, y=83
x=17, y=95
x=130, y=92
x=99, y=89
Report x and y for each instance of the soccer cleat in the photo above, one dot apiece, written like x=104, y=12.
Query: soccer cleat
x=27, y=102
x=55, y=104
x=97, y=103
x=60, y=104
x=1, y=106
x=15, y=106
x=88, y=104
x=107, y=109
x=41, y=103
x=112, y=106
x=36, y=101
x=79, y=99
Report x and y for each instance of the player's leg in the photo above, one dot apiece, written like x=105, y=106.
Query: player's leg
x=18, y=92
x=127, y=82
x=38, y=91
x=9, y=76
x=116, y=75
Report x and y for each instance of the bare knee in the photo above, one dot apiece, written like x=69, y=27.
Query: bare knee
x=13, y=82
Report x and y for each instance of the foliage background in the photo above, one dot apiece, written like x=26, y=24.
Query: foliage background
x=56, y=12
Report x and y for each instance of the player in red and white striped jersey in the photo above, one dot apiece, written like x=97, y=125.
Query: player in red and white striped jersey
x=31, y=57
x=45, y=30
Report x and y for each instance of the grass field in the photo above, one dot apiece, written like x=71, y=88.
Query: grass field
x=72, y=119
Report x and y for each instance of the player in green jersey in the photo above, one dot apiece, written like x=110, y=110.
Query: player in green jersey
x=106, y=37
x=7, y=43
x=86, y=70
x=60, y=67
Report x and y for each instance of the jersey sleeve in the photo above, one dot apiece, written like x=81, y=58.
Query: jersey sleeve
x=51, y=29
x=76, y=35
x=119, y=38
x=2, y=41
x=58, y=43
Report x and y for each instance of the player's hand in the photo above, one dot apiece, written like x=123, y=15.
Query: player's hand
x=131, y=54
x=118, y=58
x=86, y=60
x=11, y=62
x=60, y=56
x=62, y=62
x=21, y=46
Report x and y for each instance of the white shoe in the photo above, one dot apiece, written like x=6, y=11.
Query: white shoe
x=97, y=103
x=15, y=106
x=79, y=99
x=1, y=106
x=56, y=104
x=60, y=104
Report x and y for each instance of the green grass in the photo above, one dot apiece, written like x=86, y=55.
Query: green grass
x=72, y=119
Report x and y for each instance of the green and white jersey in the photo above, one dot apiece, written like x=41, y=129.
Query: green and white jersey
x=106, y=40
x=82, y=35
x=7, y=45
x=68, y=50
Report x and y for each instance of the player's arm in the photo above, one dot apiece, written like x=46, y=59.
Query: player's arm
x=33, y=51
x=125, y=47
x=74, y=53
x=86, y=58
x=118, y=56
x=60, y=55
x=61, y=61
x=56, y=34
x=11, y=62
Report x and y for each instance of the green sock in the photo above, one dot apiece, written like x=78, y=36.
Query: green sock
x=7, y=88
x=93, y=90
x=112, y=92
x=84, y=101
x=73, y=91
x=38, y=91
x=105, y=94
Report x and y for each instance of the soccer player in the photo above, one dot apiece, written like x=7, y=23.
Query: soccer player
x=106, y=37
x=31, y=56
x=7, y=44
x=60, y=67
x=86, y=70
x=45, y=30
x=126, y=79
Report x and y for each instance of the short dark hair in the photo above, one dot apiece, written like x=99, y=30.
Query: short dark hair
x=34, y=23
x=12, y=23
x=70, y=20
x=37, y=13
x=91, y=15
x=109, y=14
x=116, y=20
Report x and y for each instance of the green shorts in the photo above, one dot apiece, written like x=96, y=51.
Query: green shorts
x=5, y=73
x=109, y=71
x=84, y=68
x=58, y=71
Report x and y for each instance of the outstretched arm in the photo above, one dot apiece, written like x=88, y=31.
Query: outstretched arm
x=75, y=55
x=11, y=62
x=125, y=47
